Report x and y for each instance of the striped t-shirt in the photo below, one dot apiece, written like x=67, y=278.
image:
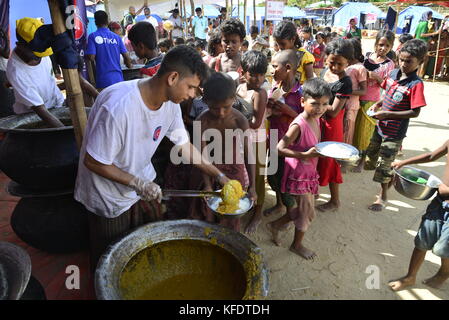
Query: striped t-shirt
x=400, y=95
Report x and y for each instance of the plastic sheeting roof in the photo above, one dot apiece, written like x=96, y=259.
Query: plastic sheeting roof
x=353, y=9
x=416, y=12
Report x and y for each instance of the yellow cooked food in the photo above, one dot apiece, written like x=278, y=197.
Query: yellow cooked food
x=231, y=194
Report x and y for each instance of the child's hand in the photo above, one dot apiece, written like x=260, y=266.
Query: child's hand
x=252, y=193
x=374, y=76
x=312, y=153
x=381, y=115
x=270, y=103
x=397, y=164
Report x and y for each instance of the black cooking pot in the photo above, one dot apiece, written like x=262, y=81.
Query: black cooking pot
x=36, y=157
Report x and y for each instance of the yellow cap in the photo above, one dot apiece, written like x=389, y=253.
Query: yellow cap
x=26, y=28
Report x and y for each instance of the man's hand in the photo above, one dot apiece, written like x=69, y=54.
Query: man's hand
x=222, y=179
x=147, y=190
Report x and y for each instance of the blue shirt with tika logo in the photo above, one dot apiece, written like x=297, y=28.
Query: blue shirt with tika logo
x=107, y=48
x=400, y=95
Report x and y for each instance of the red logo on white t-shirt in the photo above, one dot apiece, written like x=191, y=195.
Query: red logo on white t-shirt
x=157, y=133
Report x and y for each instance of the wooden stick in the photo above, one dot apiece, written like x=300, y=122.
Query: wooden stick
x=71, y=79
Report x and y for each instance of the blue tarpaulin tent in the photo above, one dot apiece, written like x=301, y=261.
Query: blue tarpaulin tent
x=353, y=9
x=413, y=15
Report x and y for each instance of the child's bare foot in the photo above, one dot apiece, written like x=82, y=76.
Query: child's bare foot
x=357, y=169
x=436, y=281
x=328, y=206
x=402, y=283
x=252, y=225
x=274, y=210
x=303, y=252
x=378, y=205
x=274, y=234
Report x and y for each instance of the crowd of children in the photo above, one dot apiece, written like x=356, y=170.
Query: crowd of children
x=302, y=89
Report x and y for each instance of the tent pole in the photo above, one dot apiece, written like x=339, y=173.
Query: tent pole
x=185, y=18
x=438, y=51
x=180, y=8
x=244, y=13
x=71, y=79
x=254, y=9
x=238, y=8
x=227, y=11
x=227, y=8
x=265, y=25
x=106, y=8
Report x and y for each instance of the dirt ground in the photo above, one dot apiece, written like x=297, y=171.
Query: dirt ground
x=353, y=243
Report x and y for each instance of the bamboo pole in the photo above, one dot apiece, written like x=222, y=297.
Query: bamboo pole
x=254, y=9
x=238, y=8
x=227, y=12
x=71, y=79
x=184, y=14
x=244, y=13
x=107, y=7
x=438, y=51
x=265, y=24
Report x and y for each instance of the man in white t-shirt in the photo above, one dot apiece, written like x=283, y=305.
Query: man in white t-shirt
x=30, y=74
x=124, y=129
x=177, y=31
x=149, y=18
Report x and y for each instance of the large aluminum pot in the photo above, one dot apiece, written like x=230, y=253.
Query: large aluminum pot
x=40, y=159
x=113, y=262
x=411, y=189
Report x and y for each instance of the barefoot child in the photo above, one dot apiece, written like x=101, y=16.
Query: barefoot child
x=232, y=35
x=403, y=99
x=282, y=114
x=358, y=74
x=300, y=176
x=433, y=233
x=379, y=67
x=339, y=52
x=254, y=65
x=219, y=94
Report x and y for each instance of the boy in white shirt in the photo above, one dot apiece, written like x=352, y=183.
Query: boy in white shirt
x=30, y=74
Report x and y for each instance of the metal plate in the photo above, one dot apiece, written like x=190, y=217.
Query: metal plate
x=353, y=150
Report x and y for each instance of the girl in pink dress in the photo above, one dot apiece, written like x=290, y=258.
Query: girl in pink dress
x=300, y=178
x=358, y=74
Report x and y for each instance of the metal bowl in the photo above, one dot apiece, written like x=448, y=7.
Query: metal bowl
x=15, y=271
x=210, y=201
x=113, y=262
x=414, y=190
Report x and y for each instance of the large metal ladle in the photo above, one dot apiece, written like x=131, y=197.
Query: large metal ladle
x=166, y=194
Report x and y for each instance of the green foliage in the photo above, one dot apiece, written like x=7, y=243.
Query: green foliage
x=337, y=3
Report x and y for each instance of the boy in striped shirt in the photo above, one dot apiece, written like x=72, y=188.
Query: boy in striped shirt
x=402, y=100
